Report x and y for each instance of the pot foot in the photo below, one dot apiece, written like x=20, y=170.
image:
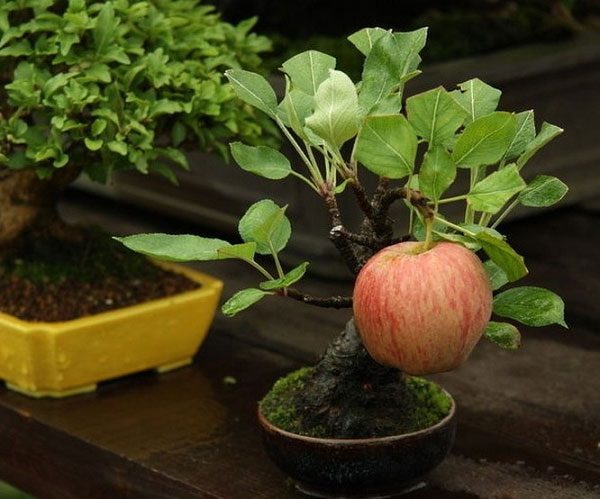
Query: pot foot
x=57, y=394
x=311, y=491
x=171, y=366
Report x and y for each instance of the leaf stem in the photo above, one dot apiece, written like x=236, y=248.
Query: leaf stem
x=305, y=180
x=454, y=226
x=469, y=212
x=259, y=267
x=452, y=199
x=314, y=171
x=428, y=233
x=508, y=209
x=276, y=260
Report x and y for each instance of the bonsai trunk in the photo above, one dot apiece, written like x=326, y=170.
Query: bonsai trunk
x=28, y=205
x=344, y=388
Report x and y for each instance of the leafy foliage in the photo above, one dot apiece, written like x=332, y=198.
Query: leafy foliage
x=503, y=334
x=419, y=146
x=119, y=84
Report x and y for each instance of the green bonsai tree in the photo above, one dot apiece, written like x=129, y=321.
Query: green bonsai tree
x=98, y=87
x=421, y=300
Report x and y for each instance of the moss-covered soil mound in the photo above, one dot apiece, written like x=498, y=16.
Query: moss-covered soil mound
x=418, y=404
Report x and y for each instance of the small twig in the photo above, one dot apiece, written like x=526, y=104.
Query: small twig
x=381, y=223
x=362, y=198
x=382, y=187
x=342, y=244
x=328, y=302
x=360, y=239
x=413, y=196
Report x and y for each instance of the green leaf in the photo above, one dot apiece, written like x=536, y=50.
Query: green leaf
x=543, y=191
x=17, y=160
x=243, y=251
x=116, y=54
x=242, y=300
x=98, y=126
x=547, y=133
x=496, y=274
x=93, y=144
x=296, y=107
x=524, y=134
x=342, y=186
x=174, y=155
x=60, y=161
x=164, y=106
x=253, y=89
x=410, y=43
x=118, y=147
x=105, y=27
x=287, y=280
x=265, y=224
x=477, y=98
x=58, y=81
x=437, y=173
x=261, y=160
x=99, y=72
x=176, y=248
x=435, y=115
x=531, y=306
x=466, y=241
x=503, y=255
x=503, y=334
x=336, y=114
x=165, y=171
x=17, y=49
x=485, y=141
x=492, y=193
x=387, y=146
x=391, y=62
x=364, y=39
x=178, y=133
x=308, y=70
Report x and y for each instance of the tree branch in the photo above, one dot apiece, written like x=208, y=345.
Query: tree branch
x=360, y=239
x=329, y=302
x=414, y=197
x=362, y=198
x=343, y=245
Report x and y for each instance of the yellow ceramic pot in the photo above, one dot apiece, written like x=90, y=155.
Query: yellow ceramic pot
x=57, y=359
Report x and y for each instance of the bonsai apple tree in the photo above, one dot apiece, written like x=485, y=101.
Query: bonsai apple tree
x=425, y=289
x=99, y=87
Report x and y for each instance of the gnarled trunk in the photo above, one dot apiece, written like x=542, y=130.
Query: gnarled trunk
x=28, y=203
x=345, y=388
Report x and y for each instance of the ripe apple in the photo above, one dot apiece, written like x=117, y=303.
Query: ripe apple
x=422, y=311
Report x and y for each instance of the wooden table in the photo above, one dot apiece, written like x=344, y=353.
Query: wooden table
x=529, y=422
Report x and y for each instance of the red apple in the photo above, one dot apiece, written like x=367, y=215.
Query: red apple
x=422, y=311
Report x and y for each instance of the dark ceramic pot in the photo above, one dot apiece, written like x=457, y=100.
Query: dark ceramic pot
x=370, y=467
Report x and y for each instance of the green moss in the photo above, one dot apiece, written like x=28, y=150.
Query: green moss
x=429, y=403
x=278, y=405
x=423, y=405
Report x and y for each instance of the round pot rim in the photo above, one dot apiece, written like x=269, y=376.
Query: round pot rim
x=265, y=423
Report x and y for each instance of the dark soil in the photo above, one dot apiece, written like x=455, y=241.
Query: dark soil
x=50, y=280
x=348, y=395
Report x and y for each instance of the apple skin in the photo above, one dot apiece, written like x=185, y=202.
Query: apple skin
x=424, y=312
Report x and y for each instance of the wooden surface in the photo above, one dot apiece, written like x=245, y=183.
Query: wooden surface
x=529, y=422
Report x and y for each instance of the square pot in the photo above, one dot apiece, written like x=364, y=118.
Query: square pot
x=58, y=359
